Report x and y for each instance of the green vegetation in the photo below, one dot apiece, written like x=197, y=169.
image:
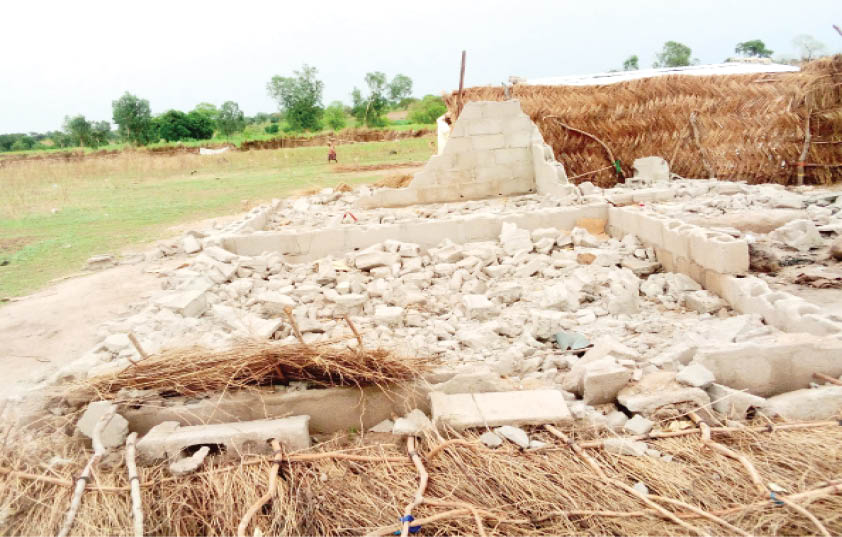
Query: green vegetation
x=631, y=63
x=107, y=204
x=808, y=46
x=230, y=119
x=299, y=97
x=674, y=54
x=335, y=116
x=370, y=110
x=753, y=49
x=134, y=119
x=427, y=110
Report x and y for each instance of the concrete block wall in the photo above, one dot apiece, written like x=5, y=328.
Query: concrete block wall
x=718, y=261
x=493, y=149
x=304, y=246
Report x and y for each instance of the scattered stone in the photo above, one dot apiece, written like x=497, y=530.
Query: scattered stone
x=695, y=375
x=638, y=425
x=571, y=341
x=537, y=444
x=478, y=307
x=799, y=234
x=99, y=262
x=115, y=431
x=188, y=465
x=191, y=244
x=388, y=315
x=641, y=488
x=490, y=439
x=385, y=426
x=528, y=407
x=658, y=389
x=624, y=446
x=514, y=434
x=836, y=249
x=822, y=403
x=703, y=302
x=413, y=424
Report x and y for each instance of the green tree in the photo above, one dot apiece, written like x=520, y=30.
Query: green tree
x=80, y=131
x=173, y=126
x=299, y=97
x=427, y=110
x=674, y=54
x=100, y=133
x=808, y=46
x=631, y=63
x=370, y=110
x=334, y=116
x=200, y=125
x=134, y=119
x=753, y=49
x=400, y=89
x=231, y=119
x=23, y=143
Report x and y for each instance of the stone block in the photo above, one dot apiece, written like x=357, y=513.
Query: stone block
x=652, y=169
x=511, y=155
x=703, y=302
x=484, y=126
x=478, y=307
x=530, y=407
x=503, y=109
x=169, y=440
x=624, y=446
x=638, y=425
x=695, y=375
x=719, y=252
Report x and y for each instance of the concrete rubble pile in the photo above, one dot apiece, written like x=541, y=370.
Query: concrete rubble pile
x=654, y=279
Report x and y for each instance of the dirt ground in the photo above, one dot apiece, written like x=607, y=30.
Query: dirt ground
x=56, y=325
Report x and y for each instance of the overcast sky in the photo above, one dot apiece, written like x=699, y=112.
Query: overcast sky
x=65, y=58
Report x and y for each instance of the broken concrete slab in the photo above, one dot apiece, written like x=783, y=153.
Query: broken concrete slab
x=473, y=382
x=601, y=384
x=695, y=375
x=169, y=440
x=659, y=389
x=638, y=425
x=415, y=423
x=188, y=465
x=490, y=439
x=529, y=407
x=186, y=303
x=515, y=435
x=624, y=446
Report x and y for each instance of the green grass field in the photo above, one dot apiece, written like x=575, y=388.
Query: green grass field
x=104, y=205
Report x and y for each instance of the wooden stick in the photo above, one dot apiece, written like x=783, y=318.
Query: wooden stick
x=294, y=324
x=589, y=135
x=422, y=484
x=461, y=84
x=826, y=378
x=617, y=483
x=136, y=343
x=270, y=491
x=753, y=474
x=446, y=444
x=134, y=483
x=99, y=451
x=804, y=149
x=354, y=330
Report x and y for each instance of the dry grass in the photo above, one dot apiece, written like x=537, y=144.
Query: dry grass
x=395, y=181
x=544, y=492
x=345, y=168
x=750, y=127
x=197, y=370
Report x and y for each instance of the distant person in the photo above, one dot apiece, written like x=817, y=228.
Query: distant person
x=331, y=154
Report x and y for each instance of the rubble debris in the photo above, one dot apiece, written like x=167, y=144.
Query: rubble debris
x=638, y=425
x=413, y=424
x=491, y=440
x=801, y=235
x=821, y=403
x=99, y=262
x=384, y=426
x=115, y=430
x=659, y=389
x=695, y=375
x=528, y=407
x=515, y=435
x=624, y=446
x=188, y=465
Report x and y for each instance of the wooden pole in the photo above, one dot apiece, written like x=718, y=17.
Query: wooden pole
x=461, y=84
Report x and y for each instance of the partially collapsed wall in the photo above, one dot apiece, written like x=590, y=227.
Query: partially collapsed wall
x=494, y=149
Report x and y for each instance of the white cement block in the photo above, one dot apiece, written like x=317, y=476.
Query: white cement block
x=531, y=407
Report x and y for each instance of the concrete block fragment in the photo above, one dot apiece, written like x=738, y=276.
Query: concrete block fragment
x=169, y=440
x=801, y=235
x=638, y=425
x=473, y=382
x=115, y=431
x=491, y=440
x=188, y=465
x=601, y=385
x=388, y=315
x=413, y=424
x=652, y=169
x=185, y=303
x=370, y=260
x=822, y=403
x=531, y=407
x=734, y=404
x=191, y=244
x=515, y=435
x=703, y=302
x=695, y=375
x=384, y=426
x=624, y=446
x=659, y=389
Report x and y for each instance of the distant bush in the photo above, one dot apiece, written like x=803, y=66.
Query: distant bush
x=271, y=129
x=334, y=116
x=427, y=110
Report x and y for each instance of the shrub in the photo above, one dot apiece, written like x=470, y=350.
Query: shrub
x=271, y=129
x=335, y=116
x=427, y=110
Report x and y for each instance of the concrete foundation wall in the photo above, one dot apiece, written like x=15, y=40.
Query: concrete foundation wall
x=303, y=246
x=493, y=149
x=330, y=410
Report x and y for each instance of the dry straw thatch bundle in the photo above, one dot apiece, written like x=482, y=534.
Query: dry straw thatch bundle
x=197, y=370
x=355, y=485
x=745, y=127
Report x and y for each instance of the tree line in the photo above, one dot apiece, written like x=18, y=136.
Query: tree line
x=300, y=108
x=675, y=54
